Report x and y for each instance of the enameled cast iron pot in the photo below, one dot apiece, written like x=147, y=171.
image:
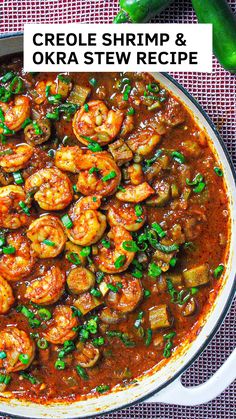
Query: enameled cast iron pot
x=162, y=385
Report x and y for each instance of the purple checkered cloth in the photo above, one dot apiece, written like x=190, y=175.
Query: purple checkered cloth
x=216, y=92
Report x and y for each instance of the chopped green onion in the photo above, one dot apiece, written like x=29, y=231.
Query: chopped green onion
x=25, y=311
x=54, y=99
x=194, y=290
x=5, y=94
x=154, y=270
x=147, y=293
x=179, y=157
x=173, y=262
x=167, y=249
x=170, y=335
x=5, y=379
x=48, y=242
x=112, y=287
x=82, y=373
x=139, y=319
x=102, y=388
x=161, y=233
x=8, y=250
x=131, y=111
x=37, y=129
x=24, y=359
x=24, y=207
x=95, y=147
x=153, y=87
x=99, y=276
x=93, y=82
x=73, y=258
x=53, y=115
x=120, y=188
x=95, y=293
x=7, y=77
x=16, y=85
x=148, y=339
x=26, y=122
x=137, y=273
x=66, y=220
x=138, y=210
x=199, y=188
x=126, y=93
x=98, y=341
x=130, y=246
x=93, y=170
x=85, y=251
x=34, y=323
x=218, y=171
x=120, y=261
x=149, y=162
x=42, y=343
x=29, y=377
x=86, y=107
x=45, y=314
x=59, y=364
x=47, y=90
x=64, y=79
x=109, y=176
x=198, y=178
x=218, y=271
x=169, y=344
x=18, y=178
x=106, y=243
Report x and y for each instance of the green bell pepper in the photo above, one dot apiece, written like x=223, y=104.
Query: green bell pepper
x=221, y=16
x=138, y=11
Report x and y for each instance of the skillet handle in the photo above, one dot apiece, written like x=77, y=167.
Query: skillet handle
x=176, y=393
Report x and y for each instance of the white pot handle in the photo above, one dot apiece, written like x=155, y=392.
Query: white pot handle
x=176, y=393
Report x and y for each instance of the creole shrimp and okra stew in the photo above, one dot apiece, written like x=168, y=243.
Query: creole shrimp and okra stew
x=114, y=226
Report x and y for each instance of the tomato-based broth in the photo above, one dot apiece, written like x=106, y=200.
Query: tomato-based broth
x=114, y=223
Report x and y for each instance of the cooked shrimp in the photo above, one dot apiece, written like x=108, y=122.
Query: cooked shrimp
x=16, y=158
x=66, y=157
x=40, y=89
x=56, y=87
x=18, y=265
x=55, y=189
x=80, y=280
x=128, y=296
x=86, y=355
x=6, y=296
x=15, y=112
x=61, y=328
x=48, y=288
x=135, y=193
x=144, y=142
x=131, y=217
x=16, y=343
x=47, y=235
x=88, y=223
x=11, y=215
x=99, y=123
x=98, y=174
x=115, y=258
